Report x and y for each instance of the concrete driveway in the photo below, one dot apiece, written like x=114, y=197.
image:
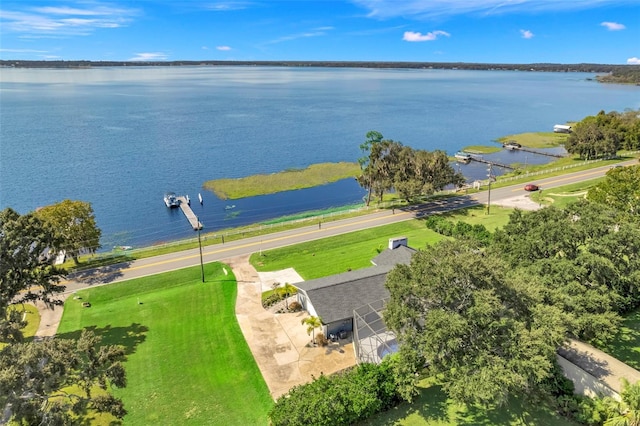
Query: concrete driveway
x=279, y=342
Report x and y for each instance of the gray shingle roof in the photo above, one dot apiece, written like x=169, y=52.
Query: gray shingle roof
x=335, y=297
x=401, y=254
x=337, y=301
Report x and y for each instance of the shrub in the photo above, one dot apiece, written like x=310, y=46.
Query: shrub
x=295, y=307
x=321, y=340
x=440, y=225
x=271, y=300
x=341, y=399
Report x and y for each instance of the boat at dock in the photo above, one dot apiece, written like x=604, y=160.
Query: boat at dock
x=171, y=200
x=462, y=157
x=200, y=198
x=511, y=145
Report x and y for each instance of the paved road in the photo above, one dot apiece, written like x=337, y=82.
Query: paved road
x=168, y=262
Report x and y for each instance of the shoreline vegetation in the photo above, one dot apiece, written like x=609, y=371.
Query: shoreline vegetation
x=529, y=140
x=539, y=140
x=324, y=173
x=287, y=180
x=607, y=73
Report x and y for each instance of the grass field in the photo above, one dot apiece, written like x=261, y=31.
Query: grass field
x=626, y=345
x=334, y=255
x=187, y=361
x=563, y=195
x=432, y=407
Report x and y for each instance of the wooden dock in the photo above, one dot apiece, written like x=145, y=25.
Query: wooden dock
x=493, y=163
x=189, y=214
x=548, y=154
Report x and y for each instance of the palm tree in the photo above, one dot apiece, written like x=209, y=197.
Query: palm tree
x=312, y=323
x=627, y=412
x=287, y=290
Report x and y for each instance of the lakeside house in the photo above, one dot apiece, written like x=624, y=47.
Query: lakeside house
x=353, y=303
x=334, y=298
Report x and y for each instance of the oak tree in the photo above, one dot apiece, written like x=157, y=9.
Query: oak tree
x=27, y=272
x=75, y=226
x=458, y=310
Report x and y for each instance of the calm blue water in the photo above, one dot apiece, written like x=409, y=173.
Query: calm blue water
x=122, y=137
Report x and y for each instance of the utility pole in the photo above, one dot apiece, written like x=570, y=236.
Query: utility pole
x=200, y=245
x=489, y=175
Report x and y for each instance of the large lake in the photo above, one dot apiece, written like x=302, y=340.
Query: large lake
x=121, y=137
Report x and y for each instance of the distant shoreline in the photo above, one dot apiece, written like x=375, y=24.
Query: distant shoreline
x=536, y=67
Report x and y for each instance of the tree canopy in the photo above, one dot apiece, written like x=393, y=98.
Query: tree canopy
x=75, y=226
x=487, y=315
x=26, y=268
x=39, y=377
x=389, y=165
x=46, y=382
x=457, y=309
x=604, y=134
x=620, y=190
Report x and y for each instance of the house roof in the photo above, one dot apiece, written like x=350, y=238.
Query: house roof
x=335, y=297
x=401, y=254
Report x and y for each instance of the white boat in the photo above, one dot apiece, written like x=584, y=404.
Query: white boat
x=188, y=200
x=463, y=157
x=200, y=197
x=233, y=206
x=511, y=145
x=170, y=200
x=561, y=128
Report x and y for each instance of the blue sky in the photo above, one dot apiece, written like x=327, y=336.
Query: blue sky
x=492, y=31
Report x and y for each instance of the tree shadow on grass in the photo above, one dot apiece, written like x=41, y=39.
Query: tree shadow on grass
x=626, y=345
x=105, y=274
x=430, y=405
x=128, y=337
x=516, y=411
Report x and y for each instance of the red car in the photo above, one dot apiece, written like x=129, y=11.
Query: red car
x=531, y=187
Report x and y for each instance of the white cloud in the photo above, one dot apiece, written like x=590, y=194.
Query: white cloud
x=415, y=36
x=613, y=26
x=149, y=56
x=64, y=20
x=225, y=6
x=315, y=32
x=223, y=48
x=426, y=9
x=633, y=61
x=22, y=51
x=526, y=34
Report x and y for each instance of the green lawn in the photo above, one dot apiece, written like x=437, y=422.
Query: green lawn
x=432, y=407
x=626, y=345
x=563, y=195
x=187, y=358
x=334, y=255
